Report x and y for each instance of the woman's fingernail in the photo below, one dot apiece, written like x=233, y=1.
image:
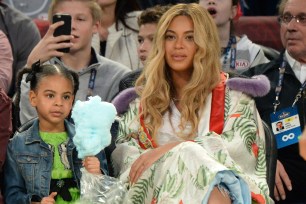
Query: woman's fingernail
x=283, y=197
x=277, y=198
x=290, y=188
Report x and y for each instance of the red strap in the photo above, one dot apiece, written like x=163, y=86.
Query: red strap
x=217, y=106
x=144, y=138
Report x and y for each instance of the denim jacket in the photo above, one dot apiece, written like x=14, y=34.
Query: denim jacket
x=27, y=171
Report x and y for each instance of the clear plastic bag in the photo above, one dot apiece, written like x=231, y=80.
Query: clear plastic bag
x=97, y=189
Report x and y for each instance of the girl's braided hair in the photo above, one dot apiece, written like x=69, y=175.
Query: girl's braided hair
x=35, y=74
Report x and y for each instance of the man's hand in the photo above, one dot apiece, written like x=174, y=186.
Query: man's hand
x=281, y=177
x=302, y=145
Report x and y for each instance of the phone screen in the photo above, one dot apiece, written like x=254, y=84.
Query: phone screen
x=63, y=29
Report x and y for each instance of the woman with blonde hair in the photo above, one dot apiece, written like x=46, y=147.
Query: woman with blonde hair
x=188, y=137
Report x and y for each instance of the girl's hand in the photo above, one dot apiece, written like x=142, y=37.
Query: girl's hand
x=146, y=160
x=49, y=199
x=92, y=165
x=48, y=45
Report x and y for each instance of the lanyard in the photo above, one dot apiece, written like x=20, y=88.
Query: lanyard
x=91, y=83
x=232, y=47
x=278, y=88
x=299, y=94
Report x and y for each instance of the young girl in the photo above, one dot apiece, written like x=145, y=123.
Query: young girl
x=98, y=75
x=42, y=164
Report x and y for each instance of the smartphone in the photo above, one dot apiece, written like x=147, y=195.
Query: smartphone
x=63, y=29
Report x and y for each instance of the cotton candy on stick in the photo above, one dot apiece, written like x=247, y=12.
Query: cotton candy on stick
x=93, y=120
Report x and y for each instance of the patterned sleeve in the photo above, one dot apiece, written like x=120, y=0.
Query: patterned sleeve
x=241, y=146
x=128, y=124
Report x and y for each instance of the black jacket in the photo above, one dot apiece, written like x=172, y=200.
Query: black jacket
x=289, y=156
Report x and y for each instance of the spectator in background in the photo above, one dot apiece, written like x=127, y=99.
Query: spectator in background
x=118, y=29
x=259, y=7
x=287, y=98
x=147, y=23
x=6, y=63
x=150, y=3
x=238, y=53
x=302, y=145
x=5, y=130
x=98, y=75
x=23, y=35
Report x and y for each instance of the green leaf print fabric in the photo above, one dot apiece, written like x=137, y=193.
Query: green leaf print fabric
x=184, y=174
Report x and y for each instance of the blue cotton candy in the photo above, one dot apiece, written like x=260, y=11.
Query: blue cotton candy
x=93, y=120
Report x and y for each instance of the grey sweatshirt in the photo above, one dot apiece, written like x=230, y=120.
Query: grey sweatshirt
x=109, y=74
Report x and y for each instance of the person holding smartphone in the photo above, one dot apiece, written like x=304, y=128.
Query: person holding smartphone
x=98, y=75
x=64, y=29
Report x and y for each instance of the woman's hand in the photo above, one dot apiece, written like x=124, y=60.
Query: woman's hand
x=48, y=45
x=281, y=177
x=50, y=199
x=92, y=165
x=146, y=160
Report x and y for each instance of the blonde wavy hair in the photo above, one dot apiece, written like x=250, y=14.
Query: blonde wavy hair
x=155, y=86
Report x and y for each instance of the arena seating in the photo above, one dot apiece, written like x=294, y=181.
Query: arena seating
x=263, y=30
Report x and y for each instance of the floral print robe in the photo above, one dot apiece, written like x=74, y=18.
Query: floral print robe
x=184, y=174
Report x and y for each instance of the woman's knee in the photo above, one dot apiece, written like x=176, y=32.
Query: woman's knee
x=219, y=196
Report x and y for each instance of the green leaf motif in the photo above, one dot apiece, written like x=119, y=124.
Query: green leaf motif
x=156, y=192
x=140, y=191
x=246, y=127
x=125, y=120
x=203, y=177
x=227, y=104
x=228, y=135
x=172, y=185
x=221, y=156
x=181, y=166
x=261, y=162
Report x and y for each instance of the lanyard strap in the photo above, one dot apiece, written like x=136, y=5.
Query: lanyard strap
x=231, y=46
x=233, y=53
x=278, y=88
x=299, y=94
x=91, y=83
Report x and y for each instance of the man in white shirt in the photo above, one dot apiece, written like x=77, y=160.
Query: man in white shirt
x=286, y=102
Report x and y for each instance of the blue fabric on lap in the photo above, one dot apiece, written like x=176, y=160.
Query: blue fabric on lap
x=238, y=189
